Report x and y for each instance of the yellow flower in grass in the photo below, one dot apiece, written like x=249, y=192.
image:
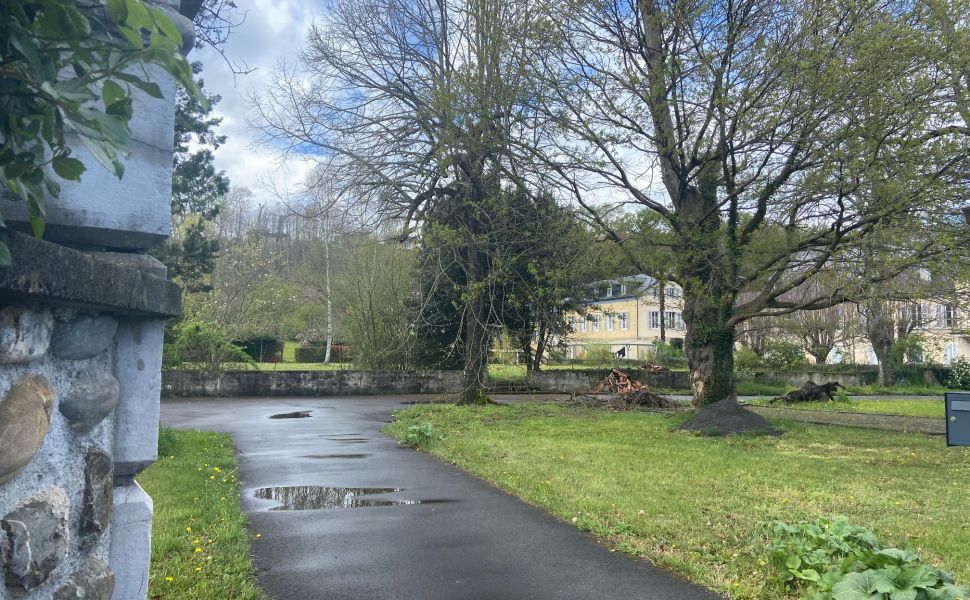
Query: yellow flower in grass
x=188, y=530
x=197, y=550
x=170, y=579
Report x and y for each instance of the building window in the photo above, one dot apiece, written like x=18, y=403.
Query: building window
x=674, y=321
x=609, y=290
x=656, y=291
x=946, y=315
x=572, y=324
x=609, y=322
x=623, y=289
x=654, y=319
x=673, y=292
x=949, y=353
x=582, y=324
x=596, y=323
x=624, y=321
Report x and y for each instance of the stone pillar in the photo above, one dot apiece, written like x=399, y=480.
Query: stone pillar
x=138, y=367
x=131, y=541
x=81, y=331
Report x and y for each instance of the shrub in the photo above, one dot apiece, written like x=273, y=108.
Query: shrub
x=959, y=374
x=598, y=354
x=746, y=360
x=907, y=350
x=264, y=348
x=310, y=354
x=202, y=346
x=781, y=355
x=317, y=353
x=833, y=560
x=422, y=436
x=669, y=356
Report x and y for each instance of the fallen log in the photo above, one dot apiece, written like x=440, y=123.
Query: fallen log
x=811, y=392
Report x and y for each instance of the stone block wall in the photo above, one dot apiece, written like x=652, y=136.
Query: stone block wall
x=80, y=377
x=81, y=321
x=308, y=383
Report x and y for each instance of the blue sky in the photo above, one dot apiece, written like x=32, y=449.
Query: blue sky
x=273, y=30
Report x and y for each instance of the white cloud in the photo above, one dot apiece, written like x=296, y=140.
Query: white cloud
x=273, y=30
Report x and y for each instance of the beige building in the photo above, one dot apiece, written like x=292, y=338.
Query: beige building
x=627, y=317
x=943, y=329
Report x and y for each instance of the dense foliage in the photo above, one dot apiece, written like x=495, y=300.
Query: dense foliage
x=69, y=71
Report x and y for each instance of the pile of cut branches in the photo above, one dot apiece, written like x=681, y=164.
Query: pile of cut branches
x=639, y=399
x=617, y=382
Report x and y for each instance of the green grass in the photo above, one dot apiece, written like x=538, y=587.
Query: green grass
x=289, y=351
x=200, y=546
x=295, y=366
x=746, y=387
x=699, y=505
x=912, y=407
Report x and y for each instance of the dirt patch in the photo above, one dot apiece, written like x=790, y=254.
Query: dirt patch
x=728, y=417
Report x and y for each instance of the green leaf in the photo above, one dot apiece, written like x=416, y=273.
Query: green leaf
x=138, y=16
x=106, y=155
x=4, y=255
x=112, y=93
x=68, y=167
x=857, y=586
x=165, y=25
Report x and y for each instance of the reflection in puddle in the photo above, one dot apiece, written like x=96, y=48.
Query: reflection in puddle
x=336, y=455
x=312, y=497
x=300, y=414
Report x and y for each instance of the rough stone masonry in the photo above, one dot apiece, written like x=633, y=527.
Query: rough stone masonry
x=81, y=325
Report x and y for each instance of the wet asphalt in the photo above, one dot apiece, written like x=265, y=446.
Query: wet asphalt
x=465, y=540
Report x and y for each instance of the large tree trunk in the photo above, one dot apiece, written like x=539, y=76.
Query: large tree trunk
x=880, y=329
x=709, y=345
x=476, y=351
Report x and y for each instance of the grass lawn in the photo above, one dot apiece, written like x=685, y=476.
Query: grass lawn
x=699, y=505
x=295, y=366
x=911, y=407
x=200, y=546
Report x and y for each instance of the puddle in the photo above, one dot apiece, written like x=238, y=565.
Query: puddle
x=347, y=440
x=313, y=497
x=300, y=414
x=336, y=456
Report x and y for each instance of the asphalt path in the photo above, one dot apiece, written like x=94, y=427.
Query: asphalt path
x=444, y=535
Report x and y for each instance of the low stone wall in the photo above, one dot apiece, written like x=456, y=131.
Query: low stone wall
x=583, y=381
x=188, y=384
x=799, y=379
x=308, y=383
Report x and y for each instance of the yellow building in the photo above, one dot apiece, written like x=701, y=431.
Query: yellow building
x=626, y=318
x=943, y=329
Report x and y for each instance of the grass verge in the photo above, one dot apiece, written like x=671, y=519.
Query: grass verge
x=699, y=505
x=910, y=407
x=200, y=546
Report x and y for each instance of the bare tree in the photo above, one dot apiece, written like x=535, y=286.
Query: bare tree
x=419, y=99
x=756, y=130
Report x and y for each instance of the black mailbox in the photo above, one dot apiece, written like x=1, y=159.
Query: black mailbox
x=957, y=419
